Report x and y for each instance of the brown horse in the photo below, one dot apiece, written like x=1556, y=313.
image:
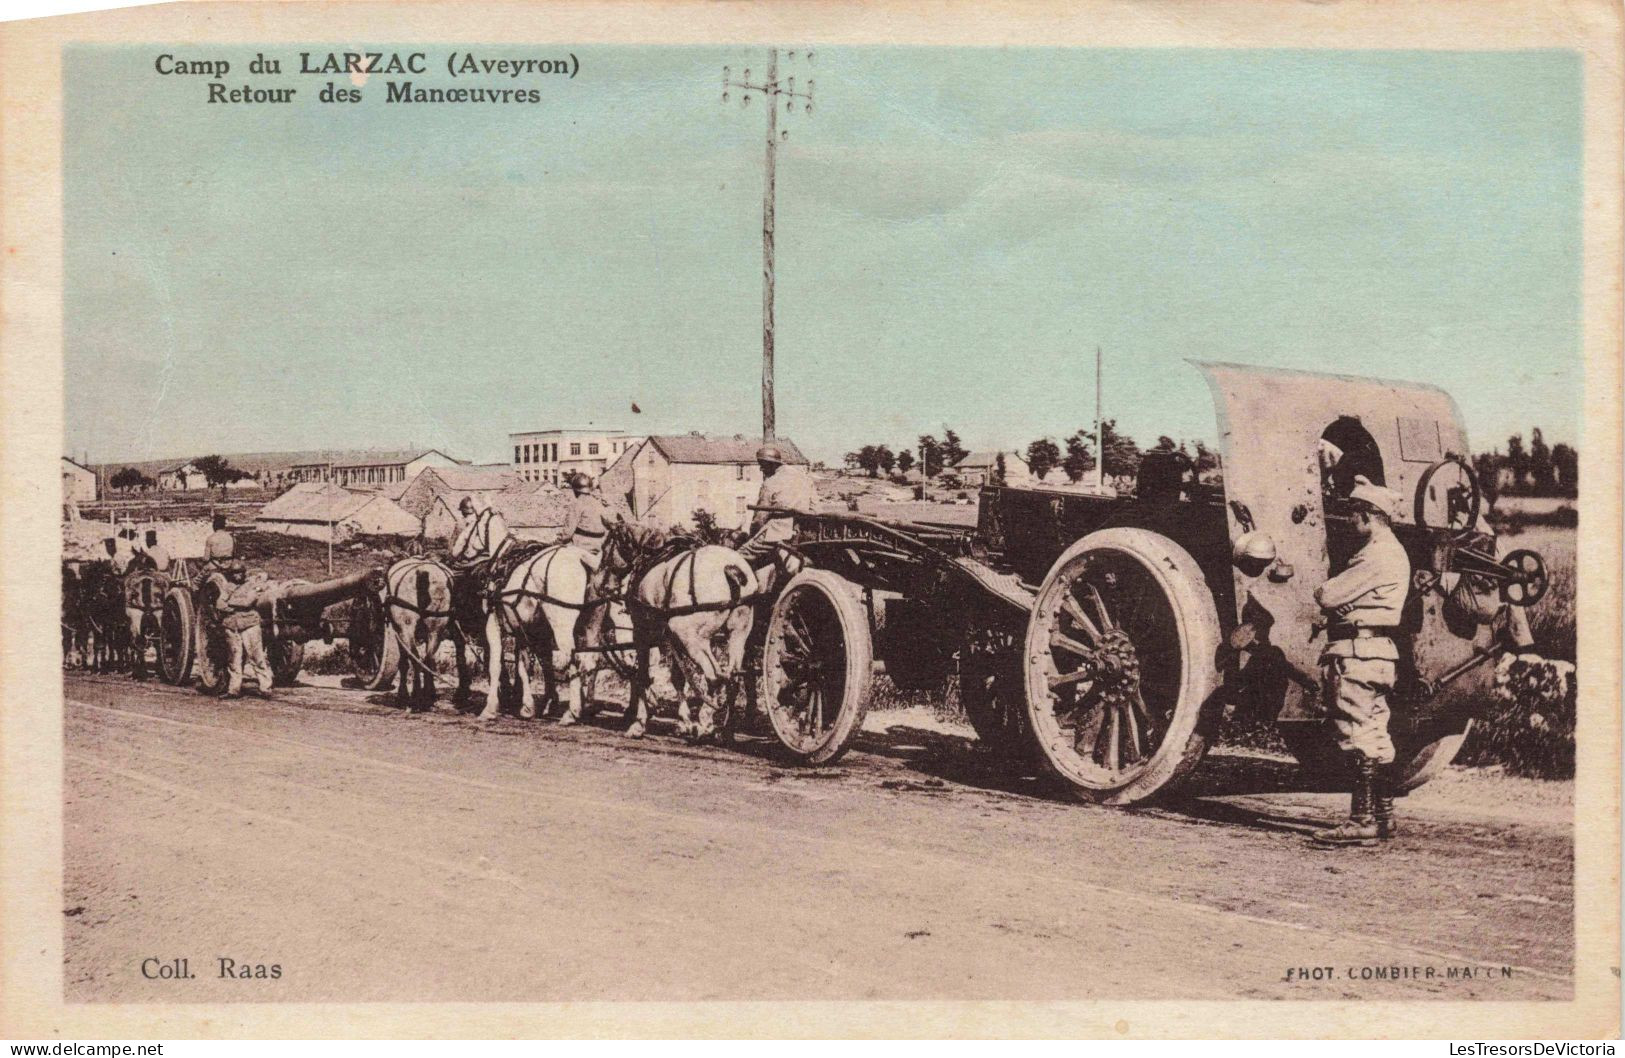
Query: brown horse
x=683, y=603
x=418, y=598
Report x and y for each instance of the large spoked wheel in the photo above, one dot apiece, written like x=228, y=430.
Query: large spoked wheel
x=1120, y=660
x=176, y=636
x=286, y=657
x=816, y=666
x=374, y=651
x=210, y=655
x=992, y=692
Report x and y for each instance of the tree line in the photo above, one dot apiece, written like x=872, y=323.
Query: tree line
x=1537, y=470
x=934, y=456
x=1123, y=453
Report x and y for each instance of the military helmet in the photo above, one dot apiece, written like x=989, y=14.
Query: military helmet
x=770, y=454
x=577, y=479
x=1384, y=501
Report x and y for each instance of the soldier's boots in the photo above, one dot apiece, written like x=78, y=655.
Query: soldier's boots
x=1360, y=828
x=1382, y=804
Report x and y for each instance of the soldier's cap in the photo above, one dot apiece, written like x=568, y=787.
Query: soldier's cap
x=770, y=454
x=1382, y=500
x=577, y=477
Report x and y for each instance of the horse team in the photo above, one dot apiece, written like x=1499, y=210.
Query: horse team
x=568, y=612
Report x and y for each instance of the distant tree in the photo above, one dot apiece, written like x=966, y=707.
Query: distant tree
x=706, y=529
x=1167, y=444
x=1566, y=465
x=905, y=461
x=1487, y=468
x=998, y=469
x=1042, y=455
x=130, y=478
x=1517, y=460
x=1122, y=454
x=852, y=460
x=930, y=455
x=217, y=471
x=869, y=460
x=952, y=450
x=1540, y=462
x=1080, y=455
x=884, y=459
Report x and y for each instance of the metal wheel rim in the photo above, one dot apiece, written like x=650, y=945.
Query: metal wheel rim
x=804, y=669
x=1113, y=702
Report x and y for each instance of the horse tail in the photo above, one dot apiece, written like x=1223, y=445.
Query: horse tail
x=737, y=577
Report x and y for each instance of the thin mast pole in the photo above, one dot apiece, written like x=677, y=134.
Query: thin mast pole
x=769, y=425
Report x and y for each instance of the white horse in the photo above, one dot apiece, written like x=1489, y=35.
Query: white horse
x=683, y=604
x=544, y=604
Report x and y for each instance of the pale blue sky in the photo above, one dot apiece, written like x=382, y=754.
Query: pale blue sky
x=957, y=230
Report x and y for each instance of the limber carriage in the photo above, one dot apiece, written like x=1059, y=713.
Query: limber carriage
x=1106, y=635
x=292, y=613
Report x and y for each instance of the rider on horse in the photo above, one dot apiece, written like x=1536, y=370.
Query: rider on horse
x=783, y=487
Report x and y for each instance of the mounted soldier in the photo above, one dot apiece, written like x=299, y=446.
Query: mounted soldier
x=1364, y=605
x=586, y=527
x=784, y=487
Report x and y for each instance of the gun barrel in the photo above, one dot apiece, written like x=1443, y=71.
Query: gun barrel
x=307, y=596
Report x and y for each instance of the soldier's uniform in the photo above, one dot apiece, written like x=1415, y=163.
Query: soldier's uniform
x=159, y=556
x=1364, y=605
x=788, y=487
x=219, y=547
x=586, y=527
x=245, y=642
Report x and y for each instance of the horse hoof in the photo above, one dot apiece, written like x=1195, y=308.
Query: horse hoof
x=489, y=715
x=636, y=730
x=569, y=720
x=527, y=712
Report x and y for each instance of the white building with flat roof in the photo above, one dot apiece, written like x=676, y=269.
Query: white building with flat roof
x=549, y=456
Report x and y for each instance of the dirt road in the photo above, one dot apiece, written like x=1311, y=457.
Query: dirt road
x=370, y=855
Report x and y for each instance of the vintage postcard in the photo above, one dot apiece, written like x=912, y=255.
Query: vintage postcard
x=831, y=519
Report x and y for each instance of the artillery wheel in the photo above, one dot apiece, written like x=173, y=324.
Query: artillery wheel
x=817, y=663
x=210, y=661
x=176, y=636
x=286, y=657
x=991, y=692
x=373, y=649
x=1120, y=662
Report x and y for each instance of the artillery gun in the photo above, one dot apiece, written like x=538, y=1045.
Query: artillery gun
x=292, y=613
x=1106, y=635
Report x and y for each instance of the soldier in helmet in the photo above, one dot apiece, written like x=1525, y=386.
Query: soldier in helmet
x=157, y=555
x=784, y=487
x=240, y=618
x=587, y=525
x=1364, y=605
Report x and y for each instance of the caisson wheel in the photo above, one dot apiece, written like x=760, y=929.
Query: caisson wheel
x=992, y=692
x=817, y=664
x=1120, y=663
x=374, y=651
x=286, y=657
x=177, y=636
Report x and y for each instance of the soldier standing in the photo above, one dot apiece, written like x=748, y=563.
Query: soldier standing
x=1364, y=605
x=783, y=487
x=245, y=644
x=588, y=522
x=219, y=547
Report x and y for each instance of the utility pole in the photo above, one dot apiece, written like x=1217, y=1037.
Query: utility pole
x=772, y=91
x=1100, y=436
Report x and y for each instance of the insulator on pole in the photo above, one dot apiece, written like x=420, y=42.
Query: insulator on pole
x=725, y=97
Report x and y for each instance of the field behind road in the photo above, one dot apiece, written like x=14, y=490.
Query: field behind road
x=375, y=856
